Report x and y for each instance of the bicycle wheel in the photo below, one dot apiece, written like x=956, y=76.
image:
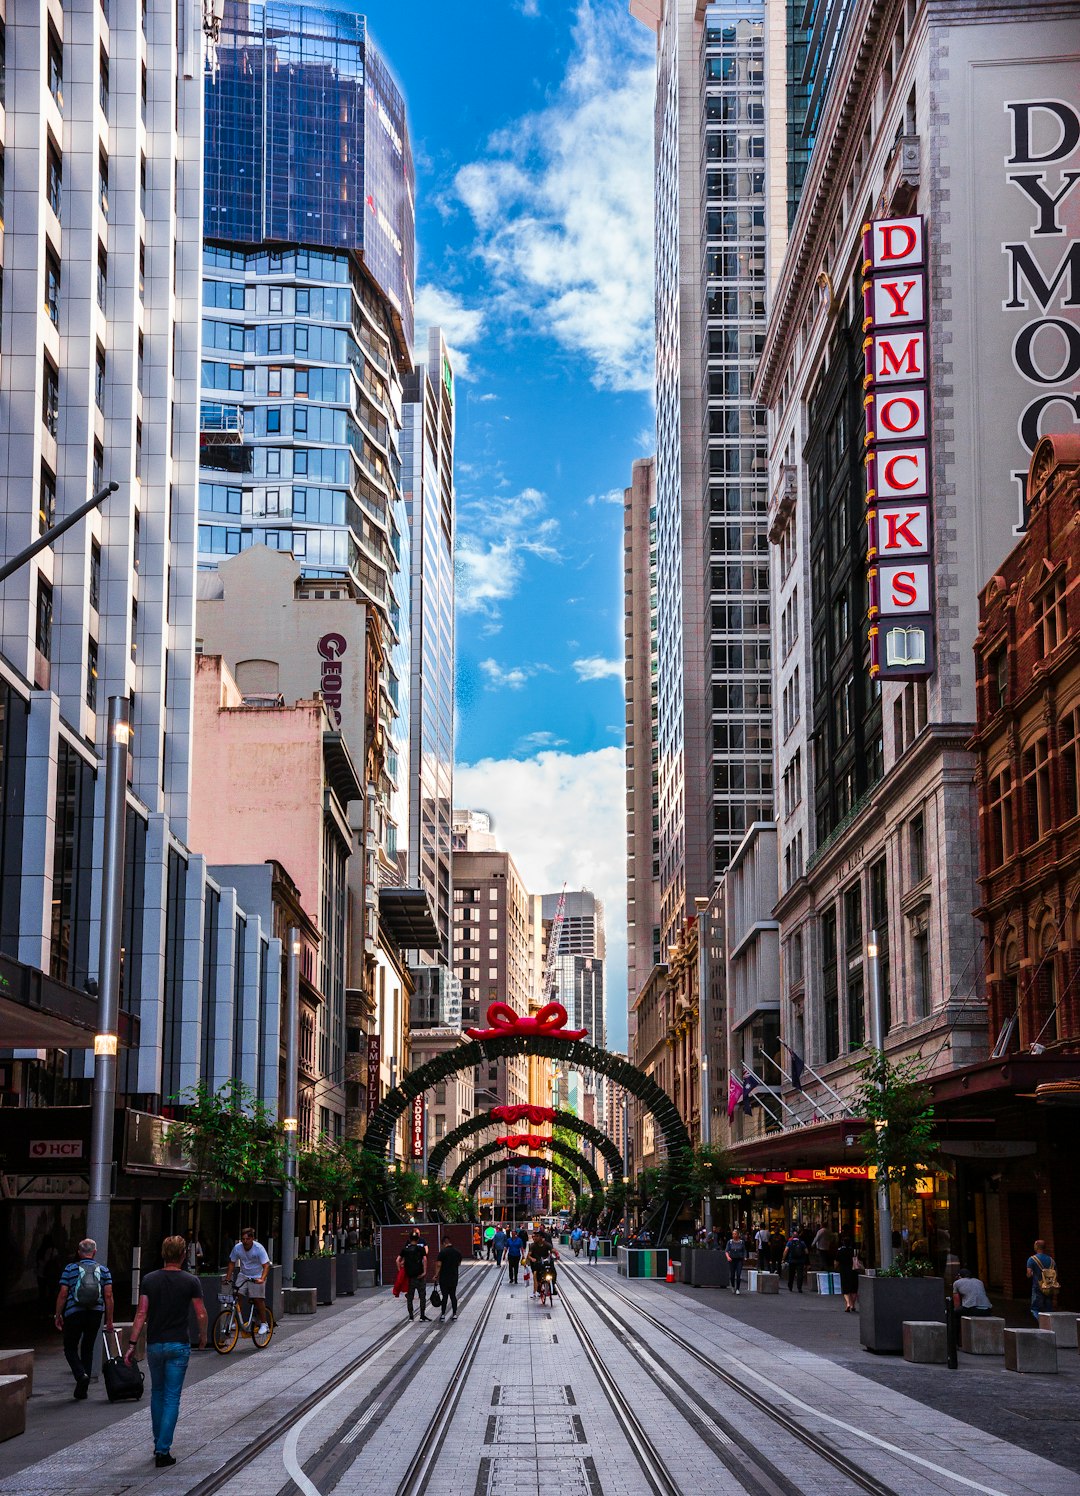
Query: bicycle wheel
x=261, y=1334
x=226, y=1332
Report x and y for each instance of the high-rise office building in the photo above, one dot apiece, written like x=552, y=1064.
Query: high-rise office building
x=427, y=479
x=642, y=753
x=308, y=321
x=714, y=764
x=101, y=136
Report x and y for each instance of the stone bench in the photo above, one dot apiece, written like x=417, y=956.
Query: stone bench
x=18, y=1364
x=365, y=1277
x=925, y=1342
x=14, y=1391
x=982, y=1335
x=300, y=1300
x=768, y=1282
x=1030, y=1351
x=1062, y=1326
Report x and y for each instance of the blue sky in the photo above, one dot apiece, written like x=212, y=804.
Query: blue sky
x=531, y=124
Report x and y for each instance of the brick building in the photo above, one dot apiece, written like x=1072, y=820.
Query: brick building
x=1022, y=1178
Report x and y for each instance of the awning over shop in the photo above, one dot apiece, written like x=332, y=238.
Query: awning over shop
x=38, y=1012
x=815, y=1146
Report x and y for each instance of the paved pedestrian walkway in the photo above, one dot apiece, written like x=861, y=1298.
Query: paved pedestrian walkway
x=1036, y=1413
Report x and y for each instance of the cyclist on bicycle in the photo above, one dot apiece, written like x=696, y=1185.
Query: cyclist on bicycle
x=249, y=1260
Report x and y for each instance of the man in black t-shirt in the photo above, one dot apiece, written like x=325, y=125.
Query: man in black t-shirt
x=413, y=1259
x=165, y=1297
x=449, y=1260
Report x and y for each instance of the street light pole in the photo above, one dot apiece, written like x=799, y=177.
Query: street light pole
x=290, y=1121
x=56, y=531
x=705, y=1100
x=112, y=908
x=877, y=1020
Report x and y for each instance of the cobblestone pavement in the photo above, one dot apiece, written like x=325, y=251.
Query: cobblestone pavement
x=1036, y=1413
x=532, y=1416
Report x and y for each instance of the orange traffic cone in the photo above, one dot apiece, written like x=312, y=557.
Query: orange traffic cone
x=670, y=1271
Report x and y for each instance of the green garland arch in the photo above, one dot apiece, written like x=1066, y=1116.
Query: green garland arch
x=502, y=1164
x=577, y=1160
x=599, y=1140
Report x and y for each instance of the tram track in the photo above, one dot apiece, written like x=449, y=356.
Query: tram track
x=284, y=1428
x=822, y=1447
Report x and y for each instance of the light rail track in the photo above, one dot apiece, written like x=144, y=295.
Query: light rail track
x=281, y=1428
x=820, y=1446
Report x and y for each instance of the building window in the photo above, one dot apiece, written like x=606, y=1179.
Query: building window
x=879, y=924
x=1052, y=619
x=99, y=380
x=56, y=68
x=52, y=288
x=920, y=964
x=54, y=178
x=43, y=627
x=856, y=1001
x=46, y=501
x=102, y=277
x=91, y=674
x=134, y=628
x=1001, y=831
x=95, y=575
x=917, y=847
x=50, y=399
x=1036, y=791
x=997, y=676
x=103, y=83
x=1070, y=763
x=830, y=1001
x=103, y=185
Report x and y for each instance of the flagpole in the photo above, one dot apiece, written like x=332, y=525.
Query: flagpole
x=821, y=1082
x=787, y=1077
x=761, y=1102
x=758, y=1081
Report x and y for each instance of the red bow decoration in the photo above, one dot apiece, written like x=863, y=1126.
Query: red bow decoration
x=551, y=1019
x=534, y=1114
x=524, y=1140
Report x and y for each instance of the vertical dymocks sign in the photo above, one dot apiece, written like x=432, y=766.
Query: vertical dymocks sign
x=897, y=403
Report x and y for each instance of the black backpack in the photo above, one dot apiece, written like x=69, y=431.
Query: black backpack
x=412, y=1255
x=796, y=1250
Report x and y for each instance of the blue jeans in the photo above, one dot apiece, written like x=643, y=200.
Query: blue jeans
x=735, y=1269
x=1040, y=1303
x=168, y=1367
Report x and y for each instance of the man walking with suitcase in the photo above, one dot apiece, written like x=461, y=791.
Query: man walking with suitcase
x=85, y=1295
x=164, y=1301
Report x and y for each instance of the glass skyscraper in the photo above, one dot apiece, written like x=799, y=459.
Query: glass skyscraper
x=308, y=322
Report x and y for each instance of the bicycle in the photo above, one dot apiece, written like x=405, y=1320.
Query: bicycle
x=547, y=1289
x=231, y=1323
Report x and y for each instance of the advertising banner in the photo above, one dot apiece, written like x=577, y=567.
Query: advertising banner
x=417, y=1149
x=374, y=1087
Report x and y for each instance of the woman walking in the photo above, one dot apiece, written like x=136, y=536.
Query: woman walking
x=848, y=1266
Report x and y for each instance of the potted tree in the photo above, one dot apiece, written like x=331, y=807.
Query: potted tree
x=706, y=1178
x=327, y=1172
x=896, y=1100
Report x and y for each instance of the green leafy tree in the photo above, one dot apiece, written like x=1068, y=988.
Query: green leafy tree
x=232, y=1141
x=335, y=1170
x=894, y=1097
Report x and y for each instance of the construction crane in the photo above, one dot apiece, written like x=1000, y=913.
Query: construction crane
x=550, y=979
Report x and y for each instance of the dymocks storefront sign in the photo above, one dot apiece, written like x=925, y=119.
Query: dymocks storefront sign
x=898, y=482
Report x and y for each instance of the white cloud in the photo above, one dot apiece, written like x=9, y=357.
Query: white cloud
x=613, y=496
x=595, y=667
x=529, y=7
x=563, y=203
x=562, y=817
x=462, y=326
x=508, y=678
x=532, y=742
x=495, y=535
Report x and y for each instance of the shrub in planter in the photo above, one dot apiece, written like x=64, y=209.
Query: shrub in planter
x=887, y=1299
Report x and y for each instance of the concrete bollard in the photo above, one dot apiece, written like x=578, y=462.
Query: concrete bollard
x=1030, y=1351
x=1063, y=1327
x=18, y=1364
x=768, y=1282
x=925, y=1341
x=13, y=1395
x=982, y=1335
x=300, y=1300
x=365, y=1277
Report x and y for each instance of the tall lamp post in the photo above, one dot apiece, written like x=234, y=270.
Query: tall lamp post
x=705, y=1100
x=877, y=1020
x=112, y=908
x=290, y=1121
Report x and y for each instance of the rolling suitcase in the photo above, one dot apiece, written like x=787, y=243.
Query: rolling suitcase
x=123, y=1383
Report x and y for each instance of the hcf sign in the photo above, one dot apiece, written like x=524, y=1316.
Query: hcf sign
x=896, y=399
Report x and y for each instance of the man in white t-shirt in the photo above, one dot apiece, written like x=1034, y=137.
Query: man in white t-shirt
x=761, y=1237
x=249, y=1256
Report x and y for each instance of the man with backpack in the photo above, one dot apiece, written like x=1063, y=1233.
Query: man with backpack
x=85, y=1295
x=795, y=1255
x=413, y=1260
x=1042, y=1270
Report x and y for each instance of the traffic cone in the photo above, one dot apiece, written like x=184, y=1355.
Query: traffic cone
x=670, y=1271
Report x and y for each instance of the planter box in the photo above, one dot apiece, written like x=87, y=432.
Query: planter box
x=365, y=1257
x=705, y=1267
x=643, y=1262
x=318, y=1273
x=346, y=1274
x=885, y=1303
